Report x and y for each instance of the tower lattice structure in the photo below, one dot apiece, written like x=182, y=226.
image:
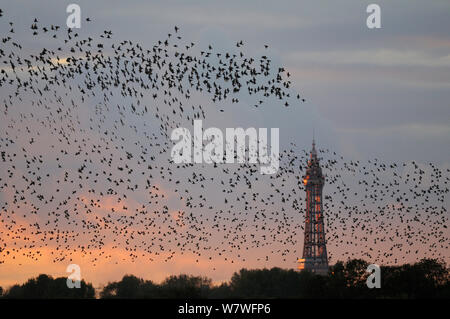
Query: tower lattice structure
x=314, y=248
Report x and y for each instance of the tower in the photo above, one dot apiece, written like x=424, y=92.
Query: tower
x=314, y=250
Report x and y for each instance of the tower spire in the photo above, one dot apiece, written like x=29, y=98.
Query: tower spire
x=313, y=151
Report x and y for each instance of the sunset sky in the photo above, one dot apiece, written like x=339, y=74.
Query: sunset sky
x=380, y=93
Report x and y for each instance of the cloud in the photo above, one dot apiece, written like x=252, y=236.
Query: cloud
x=232, y=15
x=411, y=129
x=378, y=57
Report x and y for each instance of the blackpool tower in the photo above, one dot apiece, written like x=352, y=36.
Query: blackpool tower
x=314, y=250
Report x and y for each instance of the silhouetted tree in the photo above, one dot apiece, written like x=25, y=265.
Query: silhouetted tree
x=221, y=291
x=336, y=281
x=182, y=286
x=427, y=278
x=274, y=283
x=130, y=287
x=185, y=286
x=45, y=286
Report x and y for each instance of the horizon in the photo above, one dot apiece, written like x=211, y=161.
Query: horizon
x=101, y=286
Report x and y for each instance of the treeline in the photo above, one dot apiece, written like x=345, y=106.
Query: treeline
x=428, y=278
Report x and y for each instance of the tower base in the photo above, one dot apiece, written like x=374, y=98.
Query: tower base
x=317, y=266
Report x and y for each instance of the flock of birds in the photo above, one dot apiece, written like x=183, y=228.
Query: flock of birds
x=86, y=168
